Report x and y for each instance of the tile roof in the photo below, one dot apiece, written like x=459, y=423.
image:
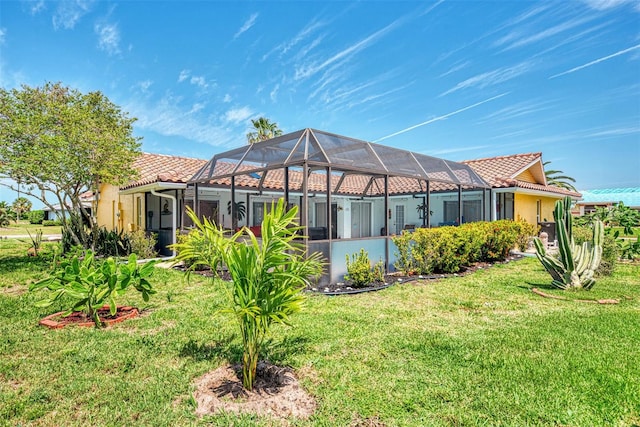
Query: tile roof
x=163, y=168
x=501, y=172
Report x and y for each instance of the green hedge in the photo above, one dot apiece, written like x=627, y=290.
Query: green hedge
x=449, y=249
x=36, y=217
x=51, y=222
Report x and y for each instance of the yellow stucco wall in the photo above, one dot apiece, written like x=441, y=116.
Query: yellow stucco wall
x=525, y=207
x=110, y=203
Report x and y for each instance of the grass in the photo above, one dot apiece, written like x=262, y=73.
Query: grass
x=475, y=350
x=22, y=228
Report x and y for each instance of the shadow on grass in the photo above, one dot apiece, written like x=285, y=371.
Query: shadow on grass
x=12, y=264
x=230, y=349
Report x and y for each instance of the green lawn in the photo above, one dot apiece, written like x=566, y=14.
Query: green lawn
x=22, y=228
x=475, y=350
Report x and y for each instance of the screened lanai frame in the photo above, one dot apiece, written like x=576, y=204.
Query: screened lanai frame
x=303, y=162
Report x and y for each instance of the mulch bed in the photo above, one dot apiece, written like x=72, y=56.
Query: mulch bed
x=79, y=318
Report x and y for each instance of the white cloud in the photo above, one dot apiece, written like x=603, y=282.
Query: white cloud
x=36, y=7
x=167, y=118
x=184, y=75
x=607, y=4
x=238, y=115
x=196, y=107
x=3, y=33
x=443, y=117
x=538, y=35
x=108, y=38
x=69, y=13
x=227, y=98
x=491, y=78
x=145, y=85
x=248, y=24
x=274, y=93
x=307, y=70
x=597, y=61
x=198, y=81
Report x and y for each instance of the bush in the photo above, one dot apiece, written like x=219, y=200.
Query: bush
x=51, y=222
x=110, y=242
x=143, y=244
x=36, y=217
x=359, y=270
x=404, y=258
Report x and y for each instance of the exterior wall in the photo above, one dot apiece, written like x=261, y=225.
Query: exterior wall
x=111, y=203
x=526, y=207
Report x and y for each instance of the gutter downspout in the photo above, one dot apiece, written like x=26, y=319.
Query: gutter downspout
x=174, y=219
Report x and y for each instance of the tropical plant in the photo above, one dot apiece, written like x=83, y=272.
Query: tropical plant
x=239, y=211
x=405, y=262
x=576, y=265
x=263, y=130
x=267, y=276
x=88, y=284
x=143, y=244
x=5, y=217
x=21, y=206
x=557, y=179
x=36, y=217
x=36, y=242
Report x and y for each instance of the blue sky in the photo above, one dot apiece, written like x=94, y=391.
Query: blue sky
x=453, y=79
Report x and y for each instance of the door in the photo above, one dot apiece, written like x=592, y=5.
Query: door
x=209, y=210
x=399, y=219
x=360, y=219
x=321, y=217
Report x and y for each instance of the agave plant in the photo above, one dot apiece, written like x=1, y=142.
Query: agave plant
x=575, y=265
x=267, y=275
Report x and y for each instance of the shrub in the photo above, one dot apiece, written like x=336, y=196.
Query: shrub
x=110, y=242
x=143, y=244
x=36, y=217
x=404, y=259
x=359, y=270
x=51, y=222
x=87, y=284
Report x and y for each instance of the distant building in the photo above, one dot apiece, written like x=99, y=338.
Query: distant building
x=606, y=198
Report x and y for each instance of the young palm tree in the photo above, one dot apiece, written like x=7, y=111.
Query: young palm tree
x=267, y=275
x=555, y=178
x=4, y=217
x=264, y=129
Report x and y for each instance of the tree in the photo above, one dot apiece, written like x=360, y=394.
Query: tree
x=21, y=205
x=267, y=275
x=555, y=178
x=264, y=129
x=4, y=215
x=59, y=143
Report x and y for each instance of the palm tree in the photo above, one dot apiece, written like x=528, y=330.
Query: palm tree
x=21, y=205
x=268, y=275
x=555, y=178
x=4, y=216
x=263, y=130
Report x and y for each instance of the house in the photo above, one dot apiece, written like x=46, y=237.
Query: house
x=154, y=202
x=607, y=198
x=374, y=191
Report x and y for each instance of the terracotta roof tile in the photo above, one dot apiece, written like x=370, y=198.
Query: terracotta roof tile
x=163, y=168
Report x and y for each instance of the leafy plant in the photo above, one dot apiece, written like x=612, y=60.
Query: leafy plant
x=36, y=217
x=36, y=241
x=267, y=276
x=576, y=265
x=360, y=272
x=143, y=244
x=5, y=217
x=404, y=259
x=89, y=284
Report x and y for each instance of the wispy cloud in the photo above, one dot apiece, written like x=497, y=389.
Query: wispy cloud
x=69, y=12
x=238, y=115
x=199, y=81
x=597, y=61
x=246, y=26
x=457, y=150
x=274, y=93
x=108, y=37
x=36, y=7
x=443, y=117
x=457, y=67
x=608, y=4
x=167, y=118
x=302, y=35
x=491, y=78
x=515, y=111
x=309, y=70
x=144, y=85
x=3, y=33
x=184, y=75
x=227, y=98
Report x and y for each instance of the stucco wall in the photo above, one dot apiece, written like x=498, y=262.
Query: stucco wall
x=110, y=203
x=526, y=206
